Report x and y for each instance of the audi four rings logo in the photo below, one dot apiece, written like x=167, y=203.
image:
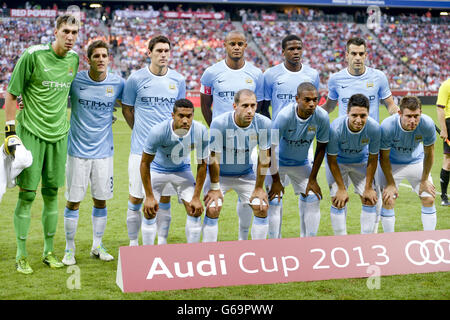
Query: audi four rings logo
x=441, y=247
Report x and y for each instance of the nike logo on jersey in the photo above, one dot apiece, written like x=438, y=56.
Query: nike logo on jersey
x=47, y=69
x=145, y=87
x=83, y=88
x=220, y=81
x=344, y=87
x=280, y=83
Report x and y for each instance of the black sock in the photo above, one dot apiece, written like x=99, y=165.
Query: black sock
x=444, y=182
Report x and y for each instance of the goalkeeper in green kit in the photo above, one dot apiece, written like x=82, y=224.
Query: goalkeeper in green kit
x=42, y=76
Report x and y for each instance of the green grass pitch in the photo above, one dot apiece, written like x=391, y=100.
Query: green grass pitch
x=97, y=278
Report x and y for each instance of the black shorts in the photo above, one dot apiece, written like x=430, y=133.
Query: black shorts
x=446, y=146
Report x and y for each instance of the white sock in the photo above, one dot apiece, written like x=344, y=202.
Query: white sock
x=388, y=220
x=429, y=218
x=245, y=214
x=70, y=227
x=379, y=205
x=193, y=229
x=338, y=220
x=274, y=215
x=301, y=210
x=368, y=219
x=148, y=231
x=134, y=221
x=99, y=218
x=210, y=229
x=311, y=214
x=260, y=228
x=163, y=218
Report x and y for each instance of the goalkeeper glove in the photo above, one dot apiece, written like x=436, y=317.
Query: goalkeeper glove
x=11, y=140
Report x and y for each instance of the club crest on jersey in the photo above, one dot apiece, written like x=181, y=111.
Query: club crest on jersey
x=418, y=138
x=248, y=80
x=172, y=86
x=109, y=91
x=311, y=129
x=365, y=141
x=370, y=84
x=70, y=73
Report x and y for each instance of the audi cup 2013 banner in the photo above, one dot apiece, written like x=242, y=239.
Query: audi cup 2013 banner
x=228, y=263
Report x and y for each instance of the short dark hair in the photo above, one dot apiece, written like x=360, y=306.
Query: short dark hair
x=288, y=38
x=357, y=42
x=158, y=39
x=67, y=19
x=96, y=44
x=182, y=103
x=305, y=86
x=410, y=102
x=237, y=95
x=358, y=100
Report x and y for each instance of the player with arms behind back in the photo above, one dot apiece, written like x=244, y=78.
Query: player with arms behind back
x=90, y=148
x=148, y=99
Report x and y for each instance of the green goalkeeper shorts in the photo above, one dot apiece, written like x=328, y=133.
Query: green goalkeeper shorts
x=49, y=161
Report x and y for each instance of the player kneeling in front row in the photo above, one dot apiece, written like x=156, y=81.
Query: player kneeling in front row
x=234, y=134
x=165, y=169
x=407, y=152
x=90, y=148
x=352, y=155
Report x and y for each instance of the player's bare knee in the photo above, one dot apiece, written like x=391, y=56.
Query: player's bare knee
x=213, y=213
x=134, y=200
x=72, y=205
x=99, y=204
x=427, y=201
x=258, y=212
x=164, y=199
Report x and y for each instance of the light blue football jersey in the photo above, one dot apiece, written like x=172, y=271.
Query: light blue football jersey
x=280, y=85
x=222, y=83
x=372, y=83
x=92, y=104
x=296, y=134
x=172, y=152
x=406, y=146
x=235, y=144
x=353, y=147
x=153, y=98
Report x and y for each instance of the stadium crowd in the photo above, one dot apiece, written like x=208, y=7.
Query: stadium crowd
x=411, y=59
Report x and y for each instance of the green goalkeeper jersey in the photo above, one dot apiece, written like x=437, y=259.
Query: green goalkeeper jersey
x=43, y=79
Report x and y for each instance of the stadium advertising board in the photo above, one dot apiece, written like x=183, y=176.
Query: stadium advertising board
x=229, y=263
x=39, y=13
x=442, y=4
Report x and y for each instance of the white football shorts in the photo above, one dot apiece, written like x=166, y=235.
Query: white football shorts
x=81, y=172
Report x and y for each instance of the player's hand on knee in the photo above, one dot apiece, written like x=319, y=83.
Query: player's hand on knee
x=276, y=190
x=427, y=187
x=259, y=200
x=390, y=194
x=214, y=199
x=370, y=197
x=150, y=207
x=315, y=188
x=195, y=207
x=341, y=198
